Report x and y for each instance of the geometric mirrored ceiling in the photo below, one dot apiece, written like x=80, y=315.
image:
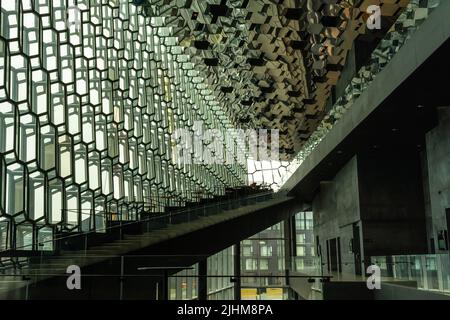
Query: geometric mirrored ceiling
x=272, y=64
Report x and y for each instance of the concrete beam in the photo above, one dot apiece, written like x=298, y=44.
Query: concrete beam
x=431, y=35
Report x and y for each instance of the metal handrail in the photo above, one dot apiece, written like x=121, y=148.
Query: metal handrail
x=127, y=223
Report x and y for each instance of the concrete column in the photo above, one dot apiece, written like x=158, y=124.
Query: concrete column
x=203, y=280
x=237, y=271
x=289, y=242
x=438, y=159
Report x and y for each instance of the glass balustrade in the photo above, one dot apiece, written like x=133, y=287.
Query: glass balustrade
x=430, y=271
x=152, y=277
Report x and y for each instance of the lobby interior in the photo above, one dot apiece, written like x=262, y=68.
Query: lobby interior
x=225, y=150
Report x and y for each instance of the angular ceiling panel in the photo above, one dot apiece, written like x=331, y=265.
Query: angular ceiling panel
x=272, y=64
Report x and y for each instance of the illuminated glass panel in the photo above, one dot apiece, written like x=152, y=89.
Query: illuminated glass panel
x=87, y=112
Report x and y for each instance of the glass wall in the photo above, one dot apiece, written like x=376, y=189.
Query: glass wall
x=88, y=109
x=430, y=272
x=183, y=285
x=304, y=242
x=263, y=264
x=220, y=267
x=264, y=261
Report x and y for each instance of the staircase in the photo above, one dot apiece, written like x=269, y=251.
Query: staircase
x=45, y=267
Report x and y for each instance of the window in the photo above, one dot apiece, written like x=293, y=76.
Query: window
x=281, y=264
x=24, y=236
x=263, y=264
x=247, y=251
x=45, y=237
x=301, y=238
x=301, y=252
x=4, y=234
x=266, y=251
x=251, y=264
x=299, y=264
x=300, y=224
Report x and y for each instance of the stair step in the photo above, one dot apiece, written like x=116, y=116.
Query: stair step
x=88, y=253
x=47, y=268
x=56, y=264
x=129, y=242
x=64, y=262
x=145, y=235
x=107, y=247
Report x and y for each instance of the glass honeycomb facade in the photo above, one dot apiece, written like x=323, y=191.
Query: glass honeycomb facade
x=87, y=116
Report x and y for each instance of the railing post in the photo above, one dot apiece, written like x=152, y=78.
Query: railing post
x=157, y=291
x=41, y=246
x=424, y=272
x=439, y=273
x=27, y=290
x=85, y=243
x=202, y=280
x=122, y=260
x=165, y=285
x=237, y=271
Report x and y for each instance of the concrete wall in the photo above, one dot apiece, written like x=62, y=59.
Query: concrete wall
x=336, y=208
x=391, y=200
x=427, y=202
x=380, y=191
x=438, y=160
